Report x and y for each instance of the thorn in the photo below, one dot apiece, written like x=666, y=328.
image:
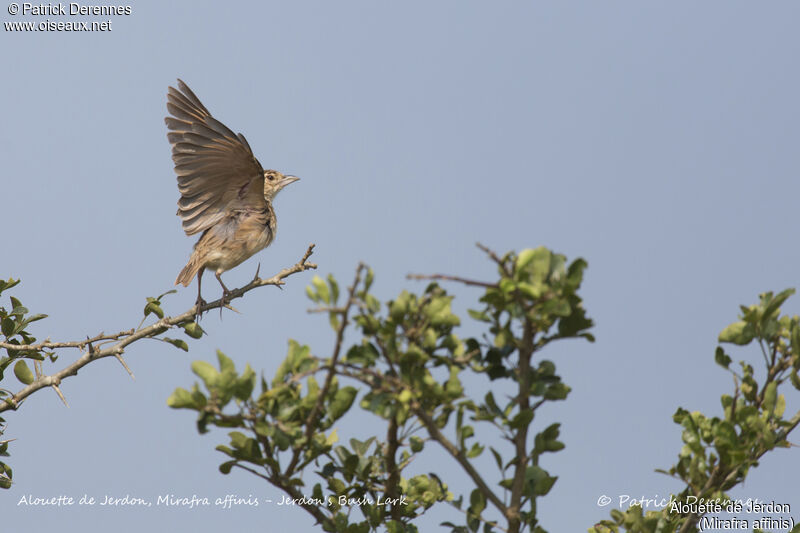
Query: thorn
x=232, y=308
x=58, y=391
x=122, y=361
x=258, y=269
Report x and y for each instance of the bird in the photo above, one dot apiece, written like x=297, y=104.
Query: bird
x=225, y=193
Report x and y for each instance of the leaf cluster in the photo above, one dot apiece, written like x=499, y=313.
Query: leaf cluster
x=407, y=369
x=719, y=451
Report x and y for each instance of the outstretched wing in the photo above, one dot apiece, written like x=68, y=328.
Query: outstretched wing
x=217, y=171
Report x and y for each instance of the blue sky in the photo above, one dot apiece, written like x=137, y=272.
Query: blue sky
x=658, y=141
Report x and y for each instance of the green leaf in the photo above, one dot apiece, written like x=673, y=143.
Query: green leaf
x=225, y=362
x=773, y=307
x=521, y=419
x=332, y=439
x=225, y=467
x=16, y=304
x=770, y=397
x=311, y=294
x=193, y=329
x=368, y=279
x=477, y=502
x=7, y=326
x=721, y=357
x=795, y=379
x=538, y=480
x=532, y=290
x=795, y=340
x=547, y=440
x=245, y=384
x=497, y=458
x=557, y=391
x=321, y=288
x=780, y=406
x=342, y=401
x=8, y=284
x=405, y=396
x=475, y=451
x=539, y=264
x=23, y=373
x=333, y=320
x=334, y=289
x=740, y=333
x=439, y=312
x=34, y=318
x=153, y=307
x=206, y=372
x=178, y=343
x=575, y=272
x=524, y=258
x=181, y=399
x=478, y=315
x=393, y=526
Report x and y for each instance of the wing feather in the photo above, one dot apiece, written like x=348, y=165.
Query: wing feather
x=216, y=168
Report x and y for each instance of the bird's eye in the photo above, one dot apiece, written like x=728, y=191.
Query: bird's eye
x=271, y=177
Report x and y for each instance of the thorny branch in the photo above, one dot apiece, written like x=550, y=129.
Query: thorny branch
x=91, y=352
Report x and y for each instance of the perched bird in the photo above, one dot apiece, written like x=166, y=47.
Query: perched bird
x=225, y=193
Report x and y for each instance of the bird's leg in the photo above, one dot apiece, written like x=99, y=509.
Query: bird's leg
x=225, y=292
x=199, y=303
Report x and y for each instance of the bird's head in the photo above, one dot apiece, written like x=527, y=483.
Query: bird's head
x=274, y=181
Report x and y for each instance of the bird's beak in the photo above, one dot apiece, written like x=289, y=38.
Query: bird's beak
x=287, y=180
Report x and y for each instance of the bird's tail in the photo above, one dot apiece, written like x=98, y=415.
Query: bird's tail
x=187, y=274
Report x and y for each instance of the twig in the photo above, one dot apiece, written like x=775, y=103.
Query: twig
x=125, y=338
x=496, y=258
x=312, y=509
x=439, y=437
x=46, y=345
x=315, y=411
x=446, y=277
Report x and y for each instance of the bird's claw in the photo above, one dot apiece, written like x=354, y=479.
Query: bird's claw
x=199, y=304
x=223, y=301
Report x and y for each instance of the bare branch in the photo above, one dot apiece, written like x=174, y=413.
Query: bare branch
x=494, y=257
x=47, y=345
x=446, y=277
x=125, y=338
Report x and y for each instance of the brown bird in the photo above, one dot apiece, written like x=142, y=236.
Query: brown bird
x=225, y=192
